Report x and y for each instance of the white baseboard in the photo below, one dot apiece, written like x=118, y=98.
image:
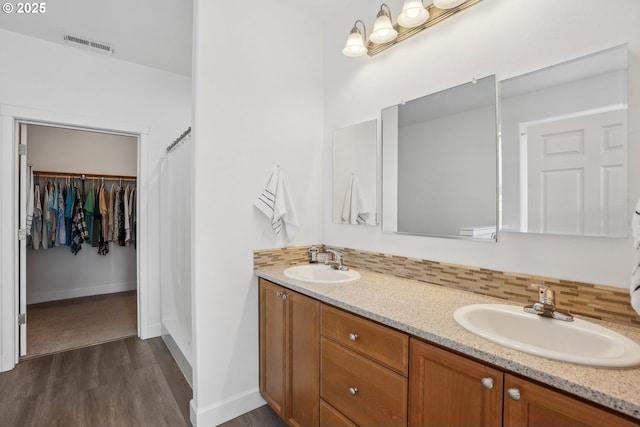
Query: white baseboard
x=220, y=412
x=181, y=359
x=37, y=297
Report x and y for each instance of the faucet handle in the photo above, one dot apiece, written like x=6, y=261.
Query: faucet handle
x=546, y=295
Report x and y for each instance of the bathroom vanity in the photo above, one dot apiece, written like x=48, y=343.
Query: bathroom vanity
x=385, y=351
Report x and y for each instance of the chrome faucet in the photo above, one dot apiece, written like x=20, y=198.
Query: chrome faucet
x=546, y=305
x=336, y=263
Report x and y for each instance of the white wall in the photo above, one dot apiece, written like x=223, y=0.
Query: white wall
x=258, y=103
x=57, y=273
x=71, y=82
x=502, y=37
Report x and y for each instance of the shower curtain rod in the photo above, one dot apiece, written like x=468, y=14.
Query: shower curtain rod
x=83, y=176
x=178, y=140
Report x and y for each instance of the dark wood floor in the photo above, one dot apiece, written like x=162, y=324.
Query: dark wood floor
x=129, y=382
x=261, y=417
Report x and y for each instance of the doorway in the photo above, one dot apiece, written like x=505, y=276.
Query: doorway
x=80, y=290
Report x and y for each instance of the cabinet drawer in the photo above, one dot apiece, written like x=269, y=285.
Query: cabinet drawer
x=364, y=391
x=385, y=345
x=330, y=417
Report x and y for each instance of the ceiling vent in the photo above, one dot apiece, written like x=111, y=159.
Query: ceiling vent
x=88, y=44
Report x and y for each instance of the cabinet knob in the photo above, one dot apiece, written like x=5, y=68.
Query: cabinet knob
x=353, y=391
x=514, y=393
x=487, y=383
x=285, y=296
x=279, y=294
x=353, y=336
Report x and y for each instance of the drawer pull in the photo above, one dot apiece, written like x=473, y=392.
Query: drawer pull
x=487, y=383
x=514, y=393
x=353, y=336
x=353, y=391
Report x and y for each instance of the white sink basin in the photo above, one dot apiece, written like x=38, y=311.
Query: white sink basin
x=580, y=342
x=320, y=273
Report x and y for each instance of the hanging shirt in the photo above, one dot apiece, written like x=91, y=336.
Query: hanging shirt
x=61, y=232
x=36, y=226
x=68, y=212
x=79, y=227
x=127, y=213
x=89, y=207
x=46, y=219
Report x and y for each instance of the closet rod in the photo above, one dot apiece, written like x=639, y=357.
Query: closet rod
x=179, y=139
x=80, y=175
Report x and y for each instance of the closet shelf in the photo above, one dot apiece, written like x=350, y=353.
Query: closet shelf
x=83, y=176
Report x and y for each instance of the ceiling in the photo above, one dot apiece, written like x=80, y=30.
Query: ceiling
x=155, y=33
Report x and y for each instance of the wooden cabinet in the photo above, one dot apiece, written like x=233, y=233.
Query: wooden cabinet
x=322, y=366
x=289, y=354
x=529, y=404
x=446, y=389
x=363, y=370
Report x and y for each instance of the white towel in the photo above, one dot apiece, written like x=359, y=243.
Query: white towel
x=355, y=209
x=635, y=278
x=276, y=204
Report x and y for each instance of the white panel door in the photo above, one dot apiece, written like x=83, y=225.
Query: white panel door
x=576, y=173
x=22, y=242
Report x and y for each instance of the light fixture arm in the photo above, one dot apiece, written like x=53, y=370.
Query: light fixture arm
x=355, y=28
x=382, y=12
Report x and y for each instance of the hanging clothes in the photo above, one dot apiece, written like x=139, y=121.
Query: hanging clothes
x=61, y=231
x=127, y=213
x=79, y=227
x=68, y=211
x=89, y=206
x=119, y=213
x=46, y=219
x=103, y=244
x=36, y=227
x=113, y=237
x=97, y=220
x=53, y=214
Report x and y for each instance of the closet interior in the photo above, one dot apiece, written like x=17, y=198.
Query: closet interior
x=81, y=257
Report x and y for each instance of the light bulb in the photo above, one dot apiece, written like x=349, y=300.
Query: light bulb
x=413, y=14
x=383, y=31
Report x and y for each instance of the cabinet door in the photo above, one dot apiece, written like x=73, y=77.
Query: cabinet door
x=303, y=329
x=529, y=404
x=450, y=390
x=272, y=346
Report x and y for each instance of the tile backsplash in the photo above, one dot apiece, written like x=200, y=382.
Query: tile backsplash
x=596, y=301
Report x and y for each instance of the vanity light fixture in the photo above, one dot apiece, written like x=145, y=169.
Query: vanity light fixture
x=414, y=18
x=383, y=31
x=356, y=41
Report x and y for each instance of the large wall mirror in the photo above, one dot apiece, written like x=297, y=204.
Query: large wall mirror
x=439, y=163
x=564, y=148
x=355, y=171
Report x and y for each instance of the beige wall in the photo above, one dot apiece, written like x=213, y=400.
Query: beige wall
x=69, y=150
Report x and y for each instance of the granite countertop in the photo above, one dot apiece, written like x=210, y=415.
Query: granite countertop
x=426, y=311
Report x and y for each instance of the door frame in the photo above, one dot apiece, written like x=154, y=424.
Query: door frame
x=10, y=119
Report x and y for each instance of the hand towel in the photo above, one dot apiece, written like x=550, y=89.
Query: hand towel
x=276, y=204
x=355, y=209
x=635, y=278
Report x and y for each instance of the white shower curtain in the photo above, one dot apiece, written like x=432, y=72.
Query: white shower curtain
x=175, y=246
